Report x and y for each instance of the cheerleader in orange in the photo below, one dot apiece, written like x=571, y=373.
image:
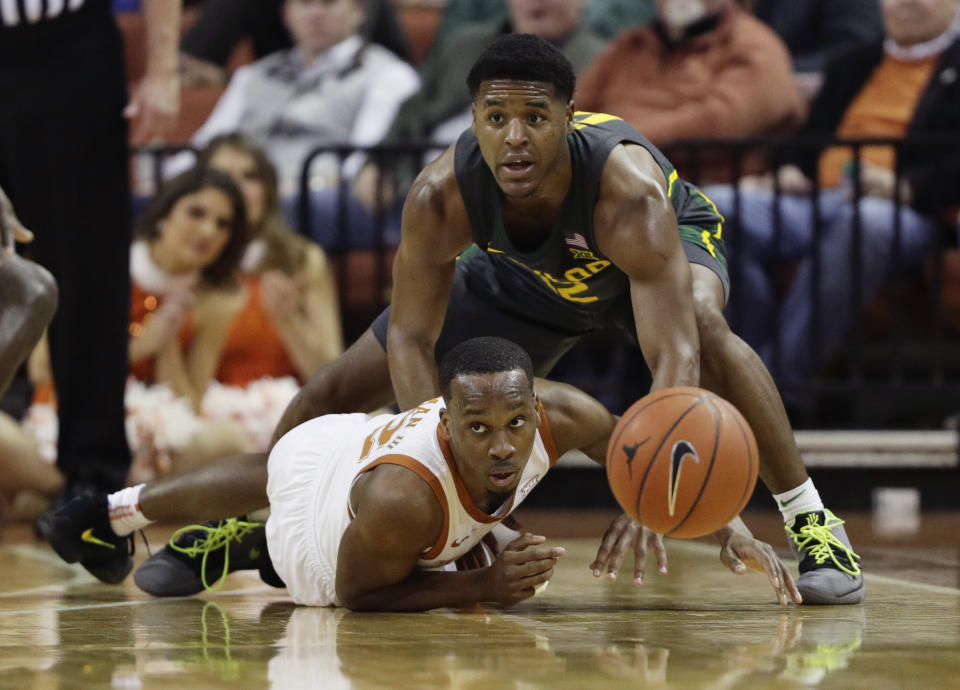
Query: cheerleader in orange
x=183, y=266
x=289, y=325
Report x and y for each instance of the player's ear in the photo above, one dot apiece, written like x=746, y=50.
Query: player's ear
x=473, y=111
x=571, y=109
x=445, y=422
x=536, y=397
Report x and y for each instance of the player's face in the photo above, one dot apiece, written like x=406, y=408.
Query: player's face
x=522, y=129
x=491, y=422
x=317, y=25
x=195, y=231
x=242, y=169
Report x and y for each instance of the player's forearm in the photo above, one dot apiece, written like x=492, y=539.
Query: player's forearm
x=162, y=24
x=413, y=369
x=422, y=591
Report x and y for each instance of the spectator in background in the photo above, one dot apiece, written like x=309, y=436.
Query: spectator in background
x=907, y=84
x=290, y=322
x=705, y=69
x=332, y=88
x=222, y=24
x=441, y=109
x=604, y=17
x=817, y=31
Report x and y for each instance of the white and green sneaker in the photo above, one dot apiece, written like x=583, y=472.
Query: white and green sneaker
x=829, y=569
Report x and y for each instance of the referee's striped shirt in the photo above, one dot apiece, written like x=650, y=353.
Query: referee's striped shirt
x=21, y=12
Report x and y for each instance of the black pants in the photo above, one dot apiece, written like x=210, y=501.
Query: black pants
x=63, y=162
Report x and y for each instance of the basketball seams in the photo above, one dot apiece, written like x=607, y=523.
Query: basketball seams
x=663, y=440
x=717, y=426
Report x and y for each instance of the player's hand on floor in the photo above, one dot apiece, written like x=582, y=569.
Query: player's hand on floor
x=523, y=564
x=741, y=552
x=624, y=533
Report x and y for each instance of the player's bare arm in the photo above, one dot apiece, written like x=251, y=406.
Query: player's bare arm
x=636, y=228
x=397, y=518
x=434, y=230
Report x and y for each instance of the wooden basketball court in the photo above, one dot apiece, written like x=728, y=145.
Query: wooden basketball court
x=699, y=627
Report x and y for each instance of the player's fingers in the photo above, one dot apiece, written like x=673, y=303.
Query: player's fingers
x=20, y=233
x=615, y=560
x=603, y=553
x=639, y=563
x=730, y=559
x=789, y=583
x=661, y=552
x=523, y=541
x=535, y=579
x=771, y=566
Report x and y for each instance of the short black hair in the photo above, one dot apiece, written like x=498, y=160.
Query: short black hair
x=487, y=355
x=523, y=57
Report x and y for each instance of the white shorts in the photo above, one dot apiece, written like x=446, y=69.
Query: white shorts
x=309, y=475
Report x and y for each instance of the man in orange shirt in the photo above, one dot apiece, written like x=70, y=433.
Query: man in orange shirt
x=704, y=69
x=905, y=86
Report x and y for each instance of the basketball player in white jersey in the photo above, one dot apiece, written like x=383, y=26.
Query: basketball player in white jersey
x=374, y=513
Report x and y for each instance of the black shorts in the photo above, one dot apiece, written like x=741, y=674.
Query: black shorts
x=480, y=305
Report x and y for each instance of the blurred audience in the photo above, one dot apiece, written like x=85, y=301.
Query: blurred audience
x=817, y=31
x=604, y=17
x=905, y=85
x=290, y=322
x=222, y=24
x=441, y=109
x=332, y=88
x=704, y=69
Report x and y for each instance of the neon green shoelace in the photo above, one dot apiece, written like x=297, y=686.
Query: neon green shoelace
x=218, y=537
x=819, y=541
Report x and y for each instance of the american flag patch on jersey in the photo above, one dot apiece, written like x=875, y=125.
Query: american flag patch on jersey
x=576, y=240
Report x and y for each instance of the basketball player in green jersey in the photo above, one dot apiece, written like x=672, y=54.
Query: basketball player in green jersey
x=573, y=222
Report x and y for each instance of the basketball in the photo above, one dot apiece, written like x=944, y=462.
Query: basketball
x=682, y=461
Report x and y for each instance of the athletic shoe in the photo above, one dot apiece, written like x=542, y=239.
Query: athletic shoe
x=829, y=569
x=80, y=530
x=198, y=553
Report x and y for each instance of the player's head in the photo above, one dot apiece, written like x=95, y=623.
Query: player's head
x=522, y=89
x=317, y=25
x=491, y=418
x=197, y=223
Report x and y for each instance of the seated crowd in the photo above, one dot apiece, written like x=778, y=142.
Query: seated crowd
x=231, y=309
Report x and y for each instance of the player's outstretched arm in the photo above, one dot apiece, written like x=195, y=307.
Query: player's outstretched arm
x=434, y=230
x=396, y=520
x=636, y=228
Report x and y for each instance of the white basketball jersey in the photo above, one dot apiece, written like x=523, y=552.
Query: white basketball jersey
x=415, y=440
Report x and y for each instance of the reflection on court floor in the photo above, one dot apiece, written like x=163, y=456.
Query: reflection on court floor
x=700, y=626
